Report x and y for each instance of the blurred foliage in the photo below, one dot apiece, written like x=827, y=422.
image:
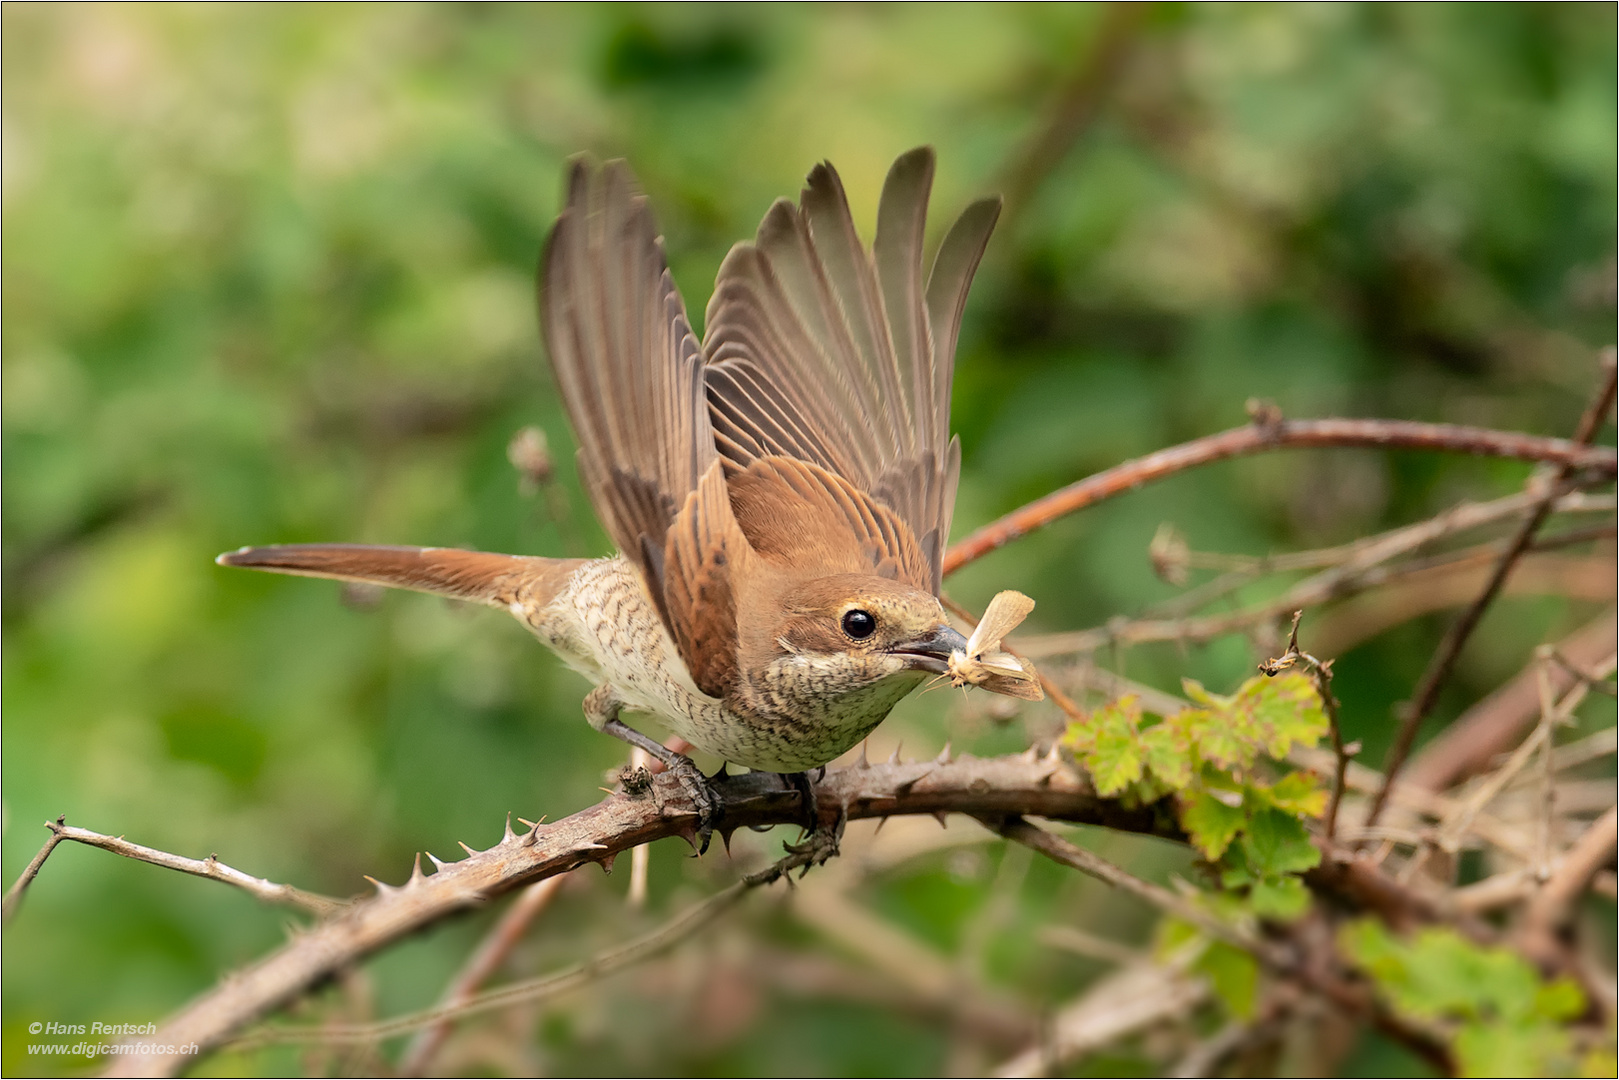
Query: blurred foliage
x=268, y=278
x=1505, y=1016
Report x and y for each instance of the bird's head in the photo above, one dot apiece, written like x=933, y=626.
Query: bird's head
x=843, y=634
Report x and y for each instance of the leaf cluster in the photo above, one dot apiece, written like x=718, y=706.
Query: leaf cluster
x=1502, y=1017
x=1217, y=759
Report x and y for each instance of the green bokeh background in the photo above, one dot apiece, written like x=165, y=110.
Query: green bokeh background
x=268, y=278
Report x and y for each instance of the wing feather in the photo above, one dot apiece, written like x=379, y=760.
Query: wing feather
x=630, y=372
x=822, y=351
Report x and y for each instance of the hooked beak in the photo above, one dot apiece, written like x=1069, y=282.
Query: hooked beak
x=932, y=651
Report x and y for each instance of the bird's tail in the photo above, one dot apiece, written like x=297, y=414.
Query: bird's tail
x=497, y=580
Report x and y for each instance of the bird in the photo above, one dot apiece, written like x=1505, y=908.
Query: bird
x=780, y=491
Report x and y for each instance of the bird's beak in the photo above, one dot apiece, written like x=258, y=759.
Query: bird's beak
x=931, y=652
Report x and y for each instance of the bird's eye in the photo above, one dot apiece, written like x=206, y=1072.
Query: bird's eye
x=859, y=624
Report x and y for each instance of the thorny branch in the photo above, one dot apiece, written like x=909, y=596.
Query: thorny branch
x=210, y=868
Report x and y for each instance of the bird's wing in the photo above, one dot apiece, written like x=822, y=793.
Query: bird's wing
x=630, y=372
x=824, y=352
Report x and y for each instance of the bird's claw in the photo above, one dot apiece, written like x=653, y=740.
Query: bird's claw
x=703, y=795
x=816, y=848
x=819, y=842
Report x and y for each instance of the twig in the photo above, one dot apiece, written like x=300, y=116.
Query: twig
x=1275, y=434
x=526, y=991
x=14, y=894
x=1469, y=744
x=1355, y=575
x=1117, y=1005
x=211, y=868
x=480, y=967
x=1085, y=943
x=1321, y=675
x=1243, y=569
x=1439, y=667
x=1070, y=854
x=1459, y=820
x=1549, y=910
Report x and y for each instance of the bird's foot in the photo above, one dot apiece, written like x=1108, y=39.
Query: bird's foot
x=697, y=787
x=703, y=794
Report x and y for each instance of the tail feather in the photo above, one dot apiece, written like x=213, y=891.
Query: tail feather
x=497, y=580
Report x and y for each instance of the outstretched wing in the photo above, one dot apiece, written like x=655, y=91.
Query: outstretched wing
x=630, y=372
x=824, y=352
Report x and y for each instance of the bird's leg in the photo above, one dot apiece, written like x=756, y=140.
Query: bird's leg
x=602, y=707
x=820, y=843
x=801, y=783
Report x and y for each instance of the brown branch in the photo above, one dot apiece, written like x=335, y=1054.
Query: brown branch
x=211, y=868
x=1276, y=434
x=1439, y=667
x=14, y=894
x=1026, y=783
x=1545, y=920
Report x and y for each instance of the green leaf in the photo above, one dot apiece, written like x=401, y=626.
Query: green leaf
x=1538, y=1049
x=1211, y=824
x=1114, y=763
x=1233, y=976
x=1560, y=1000
x=1222, y=743
x=1297, y=792
x=1168, y=754
x=1276, y=843
x=1283, y=710
x=1114, y=756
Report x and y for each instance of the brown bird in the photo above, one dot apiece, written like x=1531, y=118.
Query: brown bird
x=781, y=492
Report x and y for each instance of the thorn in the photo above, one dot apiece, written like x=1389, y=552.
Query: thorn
x=725, y=838
x=382, y=889
x=529, y=823
x=688, y=834
x=939, y=816
x=904, y=787
x=466, y=849
x=607, y=861
x=944, y=755
x=438, y=863
x=880, y=823
x=893, y=759
x=416, y=870
x=508, y=835
x=1032, y=754
x=863, y=763
x=592, y=847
